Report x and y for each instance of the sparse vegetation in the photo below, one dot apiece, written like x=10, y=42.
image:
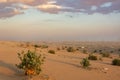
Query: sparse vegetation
x=37, y=46
x=100, y=58
x=92, y=57
x=105, y=55
x=63, y=48
x=85, y=51
x=85, y=63
x=116, y=62
x=119, y=55
x=95, y=51
x=51, y=51
x=70, y=49
x=100, y=51
x=30, y=62
x=111, y=51
x=58, y=48
x=44, y=46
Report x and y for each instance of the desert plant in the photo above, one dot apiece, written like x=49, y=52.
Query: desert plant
x=116, y=62
x=111, y=51
x=58, y=48
x=85, y=63
x=51, y=51
x=63, y=48
x=44, y=46
x=95, y=51
x=105, y=55
x=77, y=49
x=119, y=50
x=70, y=49
x=30, y=62
x=37, y=46
x=84, y=51
x=100, y=58
x=92, y=57
x=119, y=55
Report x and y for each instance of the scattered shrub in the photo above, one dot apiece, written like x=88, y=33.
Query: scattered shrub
x=116, y=62
x=95, y=51
x=119, y=55
x=51, y=51
x=85, y=51
x=77, y=49
x=111, y=51
x=105, y=54
x=100, y=58
x=70, y=49
x=85, y=63
x=92, y=57
x=44, y=46
x=58, y=48
x=118, y=49
x=30, y=63
x=37, y=46
x=63, y=48
x=100, y=51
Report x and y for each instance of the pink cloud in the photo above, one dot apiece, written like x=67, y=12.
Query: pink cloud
x=8, y=12
x=56, y=6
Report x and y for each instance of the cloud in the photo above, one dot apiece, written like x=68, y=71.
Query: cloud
x=108, y=4
x=93, y=8
x=8, y=12
x=7, y=7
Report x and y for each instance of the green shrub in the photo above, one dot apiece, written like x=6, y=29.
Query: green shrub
x=105, y=54
x=51, y=51
x=116, y=62
x=70, y=49
x=85, y=63
x=92, y=57
x=30, y=62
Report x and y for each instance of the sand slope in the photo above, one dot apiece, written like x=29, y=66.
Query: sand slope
x=61, y=66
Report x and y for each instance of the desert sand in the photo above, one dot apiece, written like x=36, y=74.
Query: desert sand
x=60, y=66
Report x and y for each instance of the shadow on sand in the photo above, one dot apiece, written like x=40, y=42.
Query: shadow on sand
x=72, y=64
x=16, y=75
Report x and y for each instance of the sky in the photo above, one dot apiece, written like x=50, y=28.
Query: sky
x=60, y=20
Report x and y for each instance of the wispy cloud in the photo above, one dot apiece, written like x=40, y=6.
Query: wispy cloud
x=8, y=7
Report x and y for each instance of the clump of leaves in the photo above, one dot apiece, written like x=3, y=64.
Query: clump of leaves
x=116, y=62
x=70, y=49
x=92, y=57
x=30, y=62
x=51, y=51
x=85, y=63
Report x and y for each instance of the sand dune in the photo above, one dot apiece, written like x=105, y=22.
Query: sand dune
x=59, y=66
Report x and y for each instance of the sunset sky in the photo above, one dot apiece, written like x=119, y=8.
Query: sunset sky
x=84, y=20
